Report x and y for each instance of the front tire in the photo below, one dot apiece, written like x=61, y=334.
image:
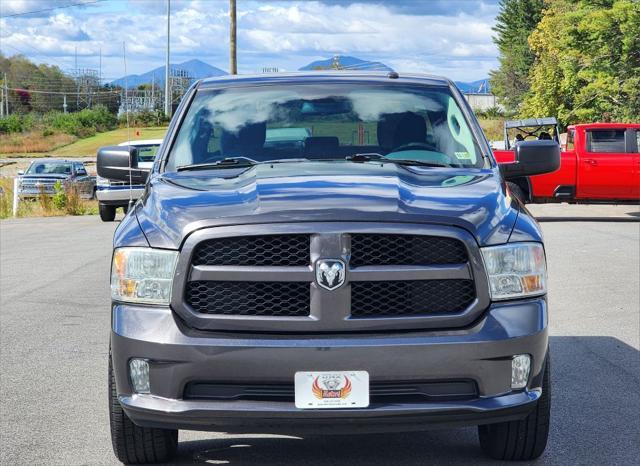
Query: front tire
x=133, y=444
x=107, y=212
x=524, y=439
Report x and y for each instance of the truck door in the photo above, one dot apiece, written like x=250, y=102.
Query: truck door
x=606, y=166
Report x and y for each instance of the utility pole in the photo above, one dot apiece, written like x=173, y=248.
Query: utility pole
x=167, y=85
x=233, y=61
x=6, y=96
x=2, y=96
x=78, y=83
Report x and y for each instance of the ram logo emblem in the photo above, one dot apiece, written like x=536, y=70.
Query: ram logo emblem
x=330, y=273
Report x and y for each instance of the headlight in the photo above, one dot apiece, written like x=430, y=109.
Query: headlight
x=515, y=270
x=143, y=275
x=102, y=181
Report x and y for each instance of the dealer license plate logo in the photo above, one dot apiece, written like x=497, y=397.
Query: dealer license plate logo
x=342, y=389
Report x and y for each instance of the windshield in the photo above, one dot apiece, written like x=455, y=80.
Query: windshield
x=531, y=133
x=49, y=168
x=326, y=122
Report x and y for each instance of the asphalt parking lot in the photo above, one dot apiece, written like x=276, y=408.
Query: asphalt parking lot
x=54, y=324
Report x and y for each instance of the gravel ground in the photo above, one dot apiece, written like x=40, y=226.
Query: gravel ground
x=54, y=325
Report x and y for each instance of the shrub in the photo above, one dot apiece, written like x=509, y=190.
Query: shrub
x=83, y=123
x=74, y=205
x=46, y=202
x=68, y=200
x=14, y=124
x=144, y=118
x=490, y=113
x=59, y=198
x=6, y=197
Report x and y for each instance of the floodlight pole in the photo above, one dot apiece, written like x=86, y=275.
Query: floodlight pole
x=167, y=85
x=233, y=61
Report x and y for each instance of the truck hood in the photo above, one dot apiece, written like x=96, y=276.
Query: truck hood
x=176, y=204
x=48, y=177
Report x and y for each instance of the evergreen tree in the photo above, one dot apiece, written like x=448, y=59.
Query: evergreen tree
x=514, y=24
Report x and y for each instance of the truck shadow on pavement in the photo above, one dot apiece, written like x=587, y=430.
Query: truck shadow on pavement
x=595, y=405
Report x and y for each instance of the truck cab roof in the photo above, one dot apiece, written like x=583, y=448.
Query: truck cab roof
x=319, y=76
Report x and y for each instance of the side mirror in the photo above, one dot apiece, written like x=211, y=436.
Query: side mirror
x=532, y=158
x=114, y=161
x=20, y=172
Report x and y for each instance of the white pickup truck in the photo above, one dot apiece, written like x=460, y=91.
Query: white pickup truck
x=112, y=194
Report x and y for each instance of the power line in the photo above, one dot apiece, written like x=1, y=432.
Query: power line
x=50, y=9
x=35, y=91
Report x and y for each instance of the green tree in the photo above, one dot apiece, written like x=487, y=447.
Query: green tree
x=515, y=22
x=587, y=65
x=33, y=80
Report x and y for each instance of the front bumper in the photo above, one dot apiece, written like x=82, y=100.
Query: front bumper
x=119, y=195
x=177, y=356
x=32, y=193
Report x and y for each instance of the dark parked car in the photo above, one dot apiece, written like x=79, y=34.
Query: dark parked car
x=42, y=175
x=376, y=276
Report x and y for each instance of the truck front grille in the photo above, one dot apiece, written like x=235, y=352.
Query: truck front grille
x=267, y=250
x=379, y=392
x=429, y=276
x=276, y=299
x=410, y=298
x=378, y=249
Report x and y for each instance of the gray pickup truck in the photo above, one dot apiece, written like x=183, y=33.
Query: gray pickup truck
x=327, y=253
x=42, y=175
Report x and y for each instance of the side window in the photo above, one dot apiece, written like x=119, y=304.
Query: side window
x=638, y=140
x=570, y=138
x=78, y=167
x=606, y=141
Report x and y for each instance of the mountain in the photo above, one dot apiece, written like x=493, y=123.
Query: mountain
x=346, y=62
x=196, y=68
x=481, y=85
x=354, y=63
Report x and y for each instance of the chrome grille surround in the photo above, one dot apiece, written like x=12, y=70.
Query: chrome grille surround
x=330, y=311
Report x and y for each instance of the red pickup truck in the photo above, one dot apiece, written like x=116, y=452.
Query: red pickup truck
x=600, y=162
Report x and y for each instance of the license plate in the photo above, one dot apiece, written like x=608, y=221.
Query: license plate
x=340, y=389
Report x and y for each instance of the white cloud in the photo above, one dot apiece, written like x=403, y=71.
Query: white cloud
x=283, y=34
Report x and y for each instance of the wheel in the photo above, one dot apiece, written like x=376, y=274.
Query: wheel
x=133, y=444
x=520, y=440
x=516, y=191
x=107, y=212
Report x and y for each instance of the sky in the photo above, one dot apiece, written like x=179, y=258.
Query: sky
x=445, y=37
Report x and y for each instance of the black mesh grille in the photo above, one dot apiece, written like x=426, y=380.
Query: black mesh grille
x=378, y=249
x=380, y=392
x=284, y=299
x=410, y=298
x=272, y=250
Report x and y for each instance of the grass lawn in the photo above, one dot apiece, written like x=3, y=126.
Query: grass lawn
x=89, y=146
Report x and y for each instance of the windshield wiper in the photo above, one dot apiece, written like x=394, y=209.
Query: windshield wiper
x=420, y=163
x=227, y=162
x=365, y=157
x=374, y=156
